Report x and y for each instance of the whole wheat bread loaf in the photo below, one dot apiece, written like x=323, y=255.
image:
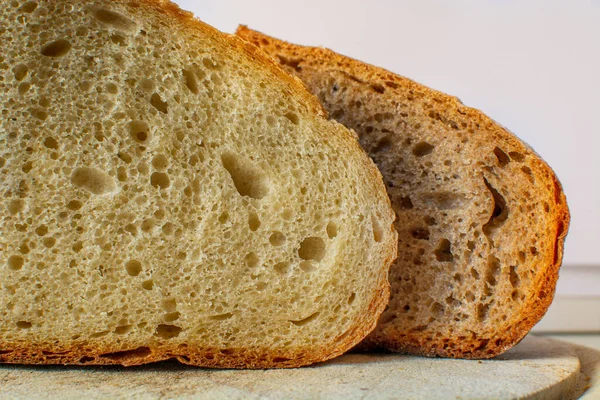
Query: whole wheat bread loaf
x=481, y=218
x=169, y=192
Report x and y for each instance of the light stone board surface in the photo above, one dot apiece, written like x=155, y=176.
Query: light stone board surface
x=537, y=368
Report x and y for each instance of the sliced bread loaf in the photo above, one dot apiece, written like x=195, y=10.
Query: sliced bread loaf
x=481, y=218
x=169, y=192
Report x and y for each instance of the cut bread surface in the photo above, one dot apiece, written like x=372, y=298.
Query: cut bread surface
x=481, y=217
x=169, y=192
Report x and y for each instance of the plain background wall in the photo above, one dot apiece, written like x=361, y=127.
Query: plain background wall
x=532, y=65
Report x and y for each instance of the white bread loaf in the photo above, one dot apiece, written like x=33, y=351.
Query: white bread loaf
x=481, y=217
x=169, y=192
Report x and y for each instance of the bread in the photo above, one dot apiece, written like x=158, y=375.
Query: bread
x=481, y=217
x=169, y=192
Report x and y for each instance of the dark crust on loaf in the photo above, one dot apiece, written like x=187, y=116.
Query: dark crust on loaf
x=414, y=342
x=87, y=354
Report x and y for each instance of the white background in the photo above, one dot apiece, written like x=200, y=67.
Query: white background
x=532, y=65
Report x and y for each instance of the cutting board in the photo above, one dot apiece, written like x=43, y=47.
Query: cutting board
x=538, y=368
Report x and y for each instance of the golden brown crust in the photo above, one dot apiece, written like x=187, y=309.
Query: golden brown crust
x=323, y=61
x=92, y=354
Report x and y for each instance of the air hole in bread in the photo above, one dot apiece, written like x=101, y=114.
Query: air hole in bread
x=28, y=166
x=378, y=88
x=77, y=247
x=308, y=266
x=533, y=250
x=378, y=233
x=29, y=7
x=503, y=158
x=249, y=180
x=133, y=267
x=112, y=88
x=271, y=121
x=337, y=114
x=24, y=249
x=23, y=324
x=41, y=230
x=332, y=230
x=282, y=268
x=469, y=296
x=126, y=157
x=160, y=180
x=24, y=88
x=515, y=295
x=221, y=317
x=166, y=331
x=159, y=104
x=223, y=218
x=382, y=146
x=312, y=248
x=16, y=206
x=294, y=64
x=20, y=71
x=140, y=352
x=146, y=85
x=499, y=213
x=191, y=81
x=119, y=40
x=422, y=149
x=122, y=329
x=58, y=48
x=304, y=321
x=122, y=175
x=471, y=245
x=293, y=117
x=210, y=63
x=148, y=285
x=493, y=269
x=380, y=117
x=99, y=334
x=51, y=143
x=169, y=305
x=277, y=238
x=351, y=298
x=515, y=280
x=131, y=228
x=546, y=207
x=39, y=114
x=251, y=260
x=93, y=180
x=253, y=221
x=420, y=233
x=404, y=202
x=482, y=312
x=172, y=316
x=443, y=253
x=49, y=242
x=518, y=157
x=15, y=263
x=115, y=20
x=527, y=171
x=437, y=309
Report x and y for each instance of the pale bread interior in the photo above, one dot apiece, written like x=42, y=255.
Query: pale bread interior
x=169, y=193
